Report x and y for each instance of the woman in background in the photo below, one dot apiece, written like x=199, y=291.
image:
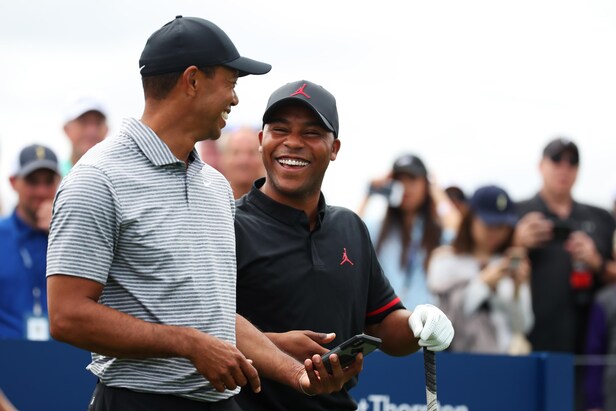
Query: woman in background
x=482, y=281
x=410, y=229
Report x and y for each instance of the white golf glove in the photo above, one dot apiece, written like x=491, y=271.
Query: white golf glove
x=432, y=327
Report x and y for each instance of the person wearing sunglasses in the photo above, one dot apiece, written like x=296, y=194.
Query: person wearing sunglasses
x=569, y=244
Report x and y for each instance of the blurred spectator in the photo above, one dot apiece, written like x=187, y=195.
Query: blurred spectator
x=85, y=125
x=410, y=230
x=569, y=244
x=482, y=281
x=600, y=380
x=23, y=241
x=240, y=159
x=458, y=198
x=210, y=153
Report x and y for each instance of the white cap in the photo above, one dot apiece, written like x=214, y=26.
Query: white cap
x=81, y=106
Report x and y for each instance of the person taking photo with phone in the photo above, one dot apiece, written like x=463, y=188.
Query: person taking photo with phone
x=308, y=275
x=418, y=217
x=482, y=280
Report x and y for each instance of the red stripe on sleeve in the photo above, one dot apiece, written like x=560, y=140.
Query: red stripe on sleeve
x=385, y=307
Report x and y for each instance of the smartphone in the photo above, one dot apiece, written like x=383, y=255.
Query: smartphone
x=393, y=191
x=514, y=262
x=348, y=350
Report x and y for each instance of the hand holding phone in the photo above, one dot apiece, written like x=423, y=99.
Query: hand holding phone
x=348, y=350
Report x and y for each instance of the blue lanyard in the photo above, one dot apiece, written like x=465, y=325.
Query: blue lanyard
x=37, y=280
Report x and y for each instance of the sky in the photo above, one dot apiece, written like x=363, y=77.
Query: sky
x=476, y=88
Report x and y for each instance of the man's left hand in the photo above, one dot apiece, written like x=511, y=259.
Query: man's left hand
x=432, y=327
x=315, y=379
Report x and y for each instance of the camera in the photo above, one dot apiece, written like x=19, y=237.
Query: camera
x=393, y=191
x=561, y=230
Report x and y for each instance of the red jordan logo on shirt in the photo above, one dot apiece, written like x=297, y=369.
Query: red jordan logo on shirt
x=300, y=91
x=345, y=258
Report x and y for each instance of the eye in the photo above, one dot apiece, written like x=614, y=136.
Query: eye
x=312, y=133
x=279, y=129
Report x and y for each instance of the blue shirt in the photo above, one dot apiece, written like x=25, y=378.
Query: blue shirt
x=22, y=270
x=408, y=282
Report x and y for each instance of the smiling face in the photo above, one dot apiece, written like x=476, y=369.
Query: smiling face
x=216, y=96
x=297, y=150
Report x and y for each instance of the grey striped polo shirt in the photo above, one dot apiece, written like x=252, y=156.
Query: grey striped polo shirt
x=160, y=238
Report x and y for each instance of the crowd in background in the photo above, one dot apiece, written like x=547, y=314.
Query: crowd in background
x=513, y=275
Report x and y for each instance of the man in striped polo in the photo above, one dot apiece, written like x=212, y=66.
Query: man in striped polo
x=141, y=262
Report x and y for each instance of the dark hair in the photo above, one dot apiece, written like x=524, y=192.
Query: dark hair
x=432, y=230
x=464, y=243
x=159, y=87
x=455, y=193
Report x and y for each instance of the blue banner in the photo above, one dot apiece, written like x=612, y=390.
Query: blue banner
x=52, y=376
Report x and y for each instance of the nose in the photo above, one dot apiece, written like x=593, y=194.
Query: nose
x=235, y=100
x=294, y=140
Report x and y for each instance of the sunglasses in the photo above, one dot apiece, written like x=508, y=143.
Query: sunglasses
x=573, y=160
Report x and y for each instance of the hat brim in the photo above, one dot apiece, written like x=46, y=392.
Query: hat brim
x=271, y=109
x=411, y=171
x=498, y=218
x=38, y=165
x=247, y=66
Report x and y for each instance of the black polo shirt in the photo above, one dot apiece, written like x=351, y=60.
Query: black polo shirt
x=290, y=278
x=561, y=314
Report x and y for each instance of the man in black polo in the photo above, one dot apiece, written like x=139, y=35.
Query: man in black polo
x=305, y=265
x=569, y=244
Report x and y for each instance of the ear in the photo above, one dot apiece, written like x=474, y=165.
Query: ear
x=261, y=141
x=67, y=131
x=541, y=164
x=13, y=181
x=335, y=149
x=189, y=80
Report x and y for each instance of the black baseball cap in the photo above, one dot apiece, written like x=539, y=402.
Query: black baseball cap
x=555, y=148
x=411, y=165
x=188, y=41
x=315, y=97
x=33, y=158
x=493, y=206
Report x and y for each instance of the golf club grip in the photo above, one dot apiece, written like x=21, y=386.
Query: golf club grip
x=430, y=371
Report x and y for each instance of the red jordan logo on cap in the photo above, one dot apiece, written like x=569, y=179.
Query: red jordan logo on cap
x=301, y=91
x=345, y=258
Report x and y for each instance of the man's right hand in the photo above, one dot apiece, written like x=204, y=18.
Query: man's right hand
x=224, y=366
x=76, y=317
x=533, y=230
x=301, y=344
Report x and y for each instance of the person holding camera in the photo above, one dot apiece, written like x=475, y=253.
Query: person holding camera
x=411, y=228
x=482, y=280
x=569, y=245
